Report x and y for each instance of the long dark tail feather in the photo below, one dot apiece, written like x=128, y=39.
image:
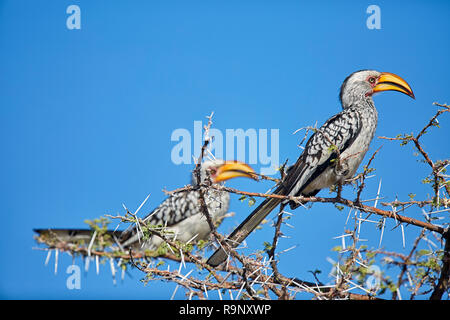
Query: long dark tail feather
x=246, y=227
x=74, y=235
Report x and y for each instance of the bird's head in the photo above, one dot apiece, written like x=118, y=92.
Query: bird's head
x=364, y=84
x=221, y=170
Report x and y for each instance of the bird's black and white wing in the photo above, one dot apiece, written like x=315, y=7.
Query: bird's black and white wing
x=317, y=164
x=179, y=217
x=314, y=170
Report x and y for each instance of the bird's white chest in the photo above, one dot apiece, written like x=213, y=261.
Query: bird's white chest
x=351, y=158
x=197, y=225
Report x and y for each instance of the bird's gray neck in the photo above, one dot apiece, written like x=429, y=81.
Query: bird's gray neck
x=355, y=98
x=365, y=108
x=368, y=109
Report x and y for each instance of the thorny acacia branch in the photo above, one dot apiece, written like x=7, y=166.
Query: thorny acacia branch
x=257, y=277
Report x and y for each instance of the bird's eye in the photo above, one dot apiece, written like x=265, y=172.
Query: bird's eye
x=372, y=80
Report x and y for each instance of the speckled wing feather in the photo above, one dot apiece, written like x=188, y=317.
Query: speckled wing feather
x=176, y=210
x=340, y=131
x=172, y=210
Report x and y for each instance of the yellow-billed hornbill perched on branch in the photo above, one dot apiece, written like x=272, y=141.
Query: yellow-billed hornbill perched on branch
x=179, y=214
x=332, y=154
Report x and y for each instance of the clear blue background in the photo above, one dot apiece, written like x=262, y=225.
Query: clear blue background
x=86, y=115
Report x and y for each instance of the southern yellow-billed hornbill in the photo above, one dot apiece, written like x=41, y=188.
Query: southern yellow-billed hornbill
x=179, y=215
x=333, y=153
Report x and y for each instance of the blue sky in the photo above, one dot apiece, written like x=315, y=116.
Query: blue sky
x=87, y=115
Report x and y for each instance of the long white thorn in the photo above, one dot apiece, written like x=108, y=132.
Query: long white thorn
x=113, y=270
x=378, y=194
x=49, y=253
x=97, y=265
x=382, y=232
x=91, y=243
x=142, y=204
x=56, y=260
x=174, y=291
x=403, y=235
x=87, y=261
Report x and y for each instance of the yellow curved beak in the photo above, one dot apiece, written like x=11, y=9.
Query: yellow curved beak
x=389, y=81
x=234, y=169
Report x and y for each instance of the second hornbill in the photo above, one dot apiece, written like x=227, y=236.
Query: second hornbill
x=178, y=217
x=332, y=154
